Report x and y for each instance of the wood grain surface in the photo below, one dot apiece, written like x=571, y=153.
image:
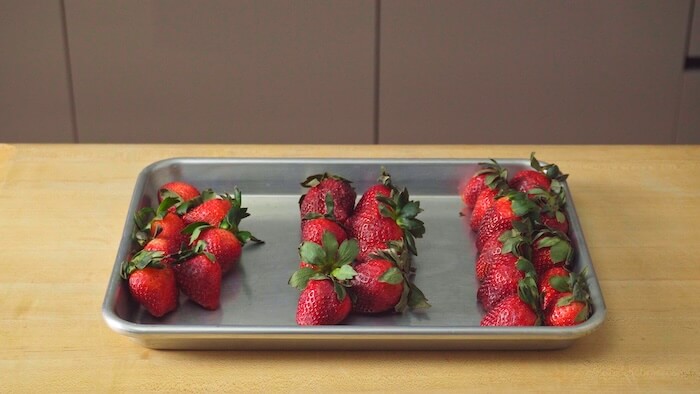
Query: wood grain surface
x=63, y=208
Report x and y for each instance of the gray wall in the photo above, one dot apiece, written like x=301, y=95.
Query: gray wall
x=368, y=71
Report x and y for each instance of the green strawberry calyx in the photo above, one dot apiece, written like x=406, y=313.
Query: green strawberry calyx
x=234, y=217
x=517, y=240
x=403, y=211
x=560, y=249
x=496, y=175
x=144, y=217
x=141, y=260
x=529, y=294
x=316, y=179
x=551, y=202
x=527, y=287
x=552, y=171
x=330, y=261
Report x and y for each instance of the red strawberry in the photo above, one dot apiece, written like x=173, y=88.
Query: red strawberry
x=341, y=191
x=313, y=229
x=518, y=309
x=319, y=304
x=551, y=205
x=151, y=283
x=566, y=299
x=368, y=203
x=377, y=286
x=224, y=243
x=314, y=225
x=540, y=177
x=382, y=282
x=548, y=292
x=397, y=222
x=170, y=227
x=551, y=248
x=501, y=215
x=484, y=201
x=373, y=234
x=511, y=311
x=200, y=279
x=556, y=221
x=567, y=311
x=209, y=207
x=169, y=247
x=183, y=190
x=526, y=180
x=501, y=281
x=504, y=248
x=322, y=280
x=490, y=175
x=158, y=223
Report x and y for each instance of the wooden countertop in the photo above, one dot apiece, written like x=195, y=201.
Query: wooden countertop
x=63, y=208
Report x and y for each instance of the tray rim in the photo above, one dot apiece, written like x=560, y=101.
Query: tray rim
x=142, y=333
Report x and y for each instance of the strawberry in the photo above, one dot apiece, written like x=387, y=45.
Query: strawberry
x=182, y=190
x=518, y=309
x=397, y=222
x=505, y=248
x=151, y=283
x=169, y=247
x=200, y=279
x=551, y=248
x=511, y=207
x=209, y=207
x=551, y=205
x=568, y=311
x=511, y=311
x=484, y=201
x=224, y=243
x=382, y=282
x=548, y=292
x=312, y=230
x=501, y=281
x=342, y=194
x=315, y=224
x=320, y=304
x=158, y=223
x=368, y=203
x=490, y=175
x=567, y=301
x=377, y=286
x=324, y=299
x=540, y=177
x=169, y=226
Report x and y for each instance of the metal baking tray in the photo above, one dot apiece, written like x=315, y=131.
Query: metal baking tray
x=258, y=307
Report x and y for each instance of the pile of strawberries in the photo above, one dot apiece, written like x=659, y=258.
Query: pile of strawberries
x=186, y=244
x=355, y=257
x=524, y=252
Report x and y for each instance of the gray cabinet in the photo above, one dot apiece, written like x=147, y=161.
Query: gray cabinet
x=530, y=71
x=35, y=100
x=223, y=71
x=337, y=71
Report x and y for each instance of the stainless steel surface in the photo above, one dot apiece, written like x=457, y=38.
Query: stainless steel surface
x=258, y=307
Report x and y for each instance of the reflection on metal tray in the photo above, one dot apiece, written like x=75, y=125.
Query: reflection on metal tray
x=258, y=307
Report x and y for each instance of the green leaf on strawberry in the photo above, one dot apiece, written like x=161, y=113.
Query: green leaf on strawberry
x=312, y=253
x=301, y=277
x=392, y=276
x=344, y=272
